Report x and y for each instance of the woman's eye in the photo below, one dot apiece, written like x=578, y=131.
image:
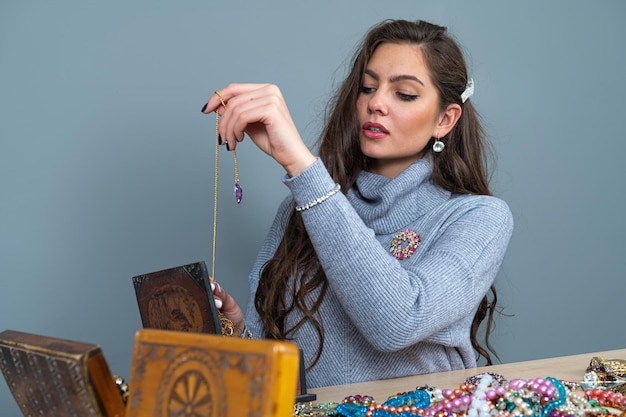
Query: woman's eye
x=367, y=90
x=407, y=97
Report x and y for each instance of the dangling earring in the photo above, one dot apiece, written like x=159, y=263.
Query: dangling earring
x=438, y=145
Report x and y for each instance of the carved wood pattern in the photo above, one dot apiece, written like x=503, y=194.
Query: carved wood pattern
x=177, y=299
x=190, y=382
x=46, y=385
x=55, y=377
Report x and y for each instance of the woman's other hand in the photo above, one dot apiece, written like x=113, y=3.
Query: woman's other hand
x=227, y=305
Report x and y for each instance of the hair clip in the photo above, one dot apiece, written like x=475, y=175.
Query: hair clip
x=469, y=91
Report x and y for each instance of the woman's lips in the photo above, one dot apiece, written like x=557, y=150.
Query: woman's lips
x=374, y=130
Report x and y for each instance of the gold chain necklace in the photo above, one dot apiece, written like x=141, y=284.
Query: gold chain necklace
x=228, y=328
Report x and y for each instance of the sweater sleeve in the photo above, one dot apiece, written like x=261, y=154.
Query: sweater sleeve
x=395, y=303
x=267, y=250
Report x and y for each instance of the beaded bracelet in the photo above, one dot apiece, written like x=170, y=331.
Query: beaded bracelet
x=319, y=200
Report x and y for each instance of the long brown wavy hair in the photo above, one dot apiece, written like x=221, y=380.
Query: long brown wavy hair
x=460, y=168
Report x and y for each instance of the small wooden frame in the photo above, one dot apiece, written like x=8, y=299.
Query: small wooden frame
x=56, y=377
x=178, y=298
x=176, y=373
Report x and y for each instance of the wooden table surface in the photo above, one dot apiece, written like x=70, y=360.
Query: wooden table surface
x=569, y=368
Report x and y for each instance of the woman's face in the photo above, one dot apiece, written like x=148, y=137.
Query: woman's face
x=398, y=108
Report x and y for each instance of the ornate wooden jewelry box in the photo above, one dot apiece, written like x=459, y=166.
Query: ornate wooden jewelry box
x=189, y=374
x=56, y=377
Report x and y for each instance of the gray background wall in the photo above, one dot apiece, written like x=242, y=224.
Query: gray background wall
x=106, y=164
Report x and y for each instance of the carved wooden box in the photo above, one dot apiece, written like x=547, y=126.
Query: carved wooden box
x=58, y=378
x=195, y=374
x=178, y=299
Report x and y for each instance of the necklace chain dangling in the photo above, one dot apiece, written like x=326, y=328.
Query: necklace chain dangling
x=227, y=326
x=238, y=188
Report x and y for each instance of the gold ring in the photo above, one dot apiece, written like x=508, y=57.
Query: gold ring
x=217, y=93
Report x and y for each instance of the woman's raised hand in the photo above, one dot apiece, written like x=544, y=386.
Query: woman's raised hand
x=260, y=111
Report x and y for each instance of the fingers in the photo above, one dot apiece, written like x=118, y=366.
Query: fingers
x=216, y=296
x=260, y=111
x=223, y=300
x=216, y=290
x=227, y=305
x=244, y=108
x=229, y=92
x=251, y=116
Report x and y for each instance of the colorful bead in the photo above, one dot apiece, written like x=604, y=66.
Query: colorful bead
x=354, y=405
x=238, y=193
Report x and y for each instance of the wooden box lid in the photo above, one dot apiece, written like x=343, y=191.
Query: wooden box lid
x=56, y=377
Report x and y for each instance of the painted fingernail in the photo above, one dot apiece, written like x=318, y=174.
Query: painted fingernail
x=204, y=107
x=212, y=287
x=219, y=139
x=227, y=145
x=218, y=304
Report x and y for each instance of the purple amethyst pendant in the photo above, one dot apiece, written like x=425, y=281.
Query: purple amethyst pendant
x=238, y=193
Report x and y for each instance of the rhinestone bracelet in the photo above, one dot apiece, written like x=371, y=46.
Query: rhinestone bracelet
x=319, y=200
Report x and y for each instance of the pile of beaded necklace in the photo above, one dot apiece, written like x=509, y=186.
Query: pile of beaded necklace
x=487, y=395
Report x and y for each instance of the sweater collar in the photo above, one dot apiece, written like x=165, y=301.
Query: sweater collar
x=389, y=204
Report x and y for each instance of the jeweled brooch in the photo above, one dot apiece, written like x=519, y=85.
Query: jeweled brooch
x=404, y=244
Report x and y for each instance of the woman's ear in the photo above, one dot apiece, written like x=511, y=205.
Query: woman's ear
x=447, y=120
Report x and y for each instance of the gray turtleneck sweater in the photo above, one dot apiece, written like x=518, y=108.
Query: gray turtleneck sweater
x=384, y=317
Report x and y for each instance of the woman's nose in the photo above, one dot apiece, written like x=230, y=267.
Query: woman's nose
x=377, y=103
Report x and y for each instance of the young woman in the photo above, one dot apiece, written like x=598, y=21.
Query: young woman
x=379, y=263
